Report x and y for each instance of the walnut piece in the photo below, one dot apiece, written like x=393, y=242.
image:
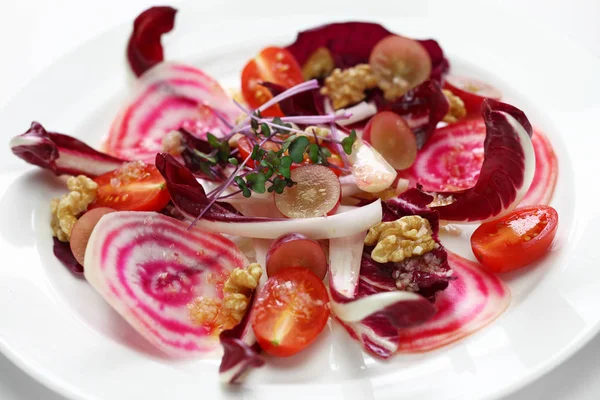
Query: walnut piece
x=227, y=313
x=243, y=280
x=204, y=310
x=65, y=210
x=457, y=107
x=171, y=143
x=397, y=240
x=347, y=87
x=319, y=64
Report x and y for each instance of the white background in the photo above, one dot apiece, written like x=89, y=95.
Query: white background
x=35, y=33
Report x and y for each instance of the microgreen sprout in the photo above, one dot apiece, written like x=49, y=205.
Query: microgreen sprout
x=267, y=169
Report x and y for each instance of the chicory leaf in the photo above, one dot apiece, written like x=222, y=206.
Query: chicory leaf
x=144, y=49
x=61, y=154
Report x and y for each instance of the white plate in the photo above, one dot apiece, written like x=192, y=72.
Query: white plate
x=60, y=331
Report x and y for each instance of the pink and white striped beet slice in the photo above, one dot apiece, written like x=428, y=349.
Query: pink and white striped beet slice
x=546, y=172
x=167, y=97
x=149, y=267
x=452, y=160
x=473, y=300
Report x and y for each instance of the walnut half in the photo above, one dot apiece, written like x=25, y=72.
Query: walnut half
x=65, y=210
x=457, y=107
x=227, y=313
x=398, y=240
x=347, y=87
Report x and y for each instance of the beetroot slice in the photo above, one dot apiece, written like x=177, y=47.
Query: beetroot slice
x=473, y=300
x=144, y=49
x=452, y=160
x=150, y=268
x=168, y=97
x=546, y=172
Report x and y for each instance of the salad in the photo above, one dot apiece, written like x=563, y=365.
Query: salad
x=237, y=226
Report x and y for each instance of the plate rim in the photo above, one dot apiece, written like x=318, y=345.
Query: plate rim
x=58, y=384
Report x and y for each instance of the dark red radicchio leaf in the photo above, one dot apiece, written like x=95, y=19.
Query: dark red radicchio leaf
x=62, y=251
x=419, y=278
x=241, y=351
x=422, y=108
x=427, y=274
x=189, y=196
x=506, y=173
x=350, y=43
x=61, y=154
x=194, y=162
x=238, y=358
x=144, y=49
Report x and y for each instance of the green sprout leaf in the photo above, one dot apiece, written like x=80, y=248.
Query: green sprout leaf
x=297, y=148
x=224, y=151
x=286, y=161
x=348, y=142
x=287, y=142
x=273, y=158
x=213, y=141
x=239, y=181
x=233, y=161
x=207, y=157
x=313, y=153
x=257, y=153
x=265, y=130
x=257, y=181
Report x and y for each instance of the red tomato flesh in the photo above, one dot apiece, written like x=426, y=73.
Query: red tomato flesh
x=136, y=186
x=245, y=146
x=515, y=240
x=272, y=64
x=290, y=311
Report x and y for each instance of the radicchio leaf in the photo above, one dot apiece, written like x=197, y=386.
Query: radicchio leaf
x=62, y=251
x=61, y=154
x=144, y=49
x=422, y=108
x=409, y=286
x=241, y=351
x=194, y=161
x=238, y=357
x=350, y=43
x=507, y=170
x=188, y=195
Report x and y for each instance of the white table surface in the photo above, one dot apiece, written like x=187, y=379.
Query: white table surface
x=34, y=33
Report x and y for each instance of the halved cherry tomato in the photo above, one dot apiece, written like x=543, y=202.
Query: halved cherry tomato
x=136, y=186
x=516, y=240
x=272, y=64
x=472, y=92
x=245, y=146
x=336, y=164
x=290, y=311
